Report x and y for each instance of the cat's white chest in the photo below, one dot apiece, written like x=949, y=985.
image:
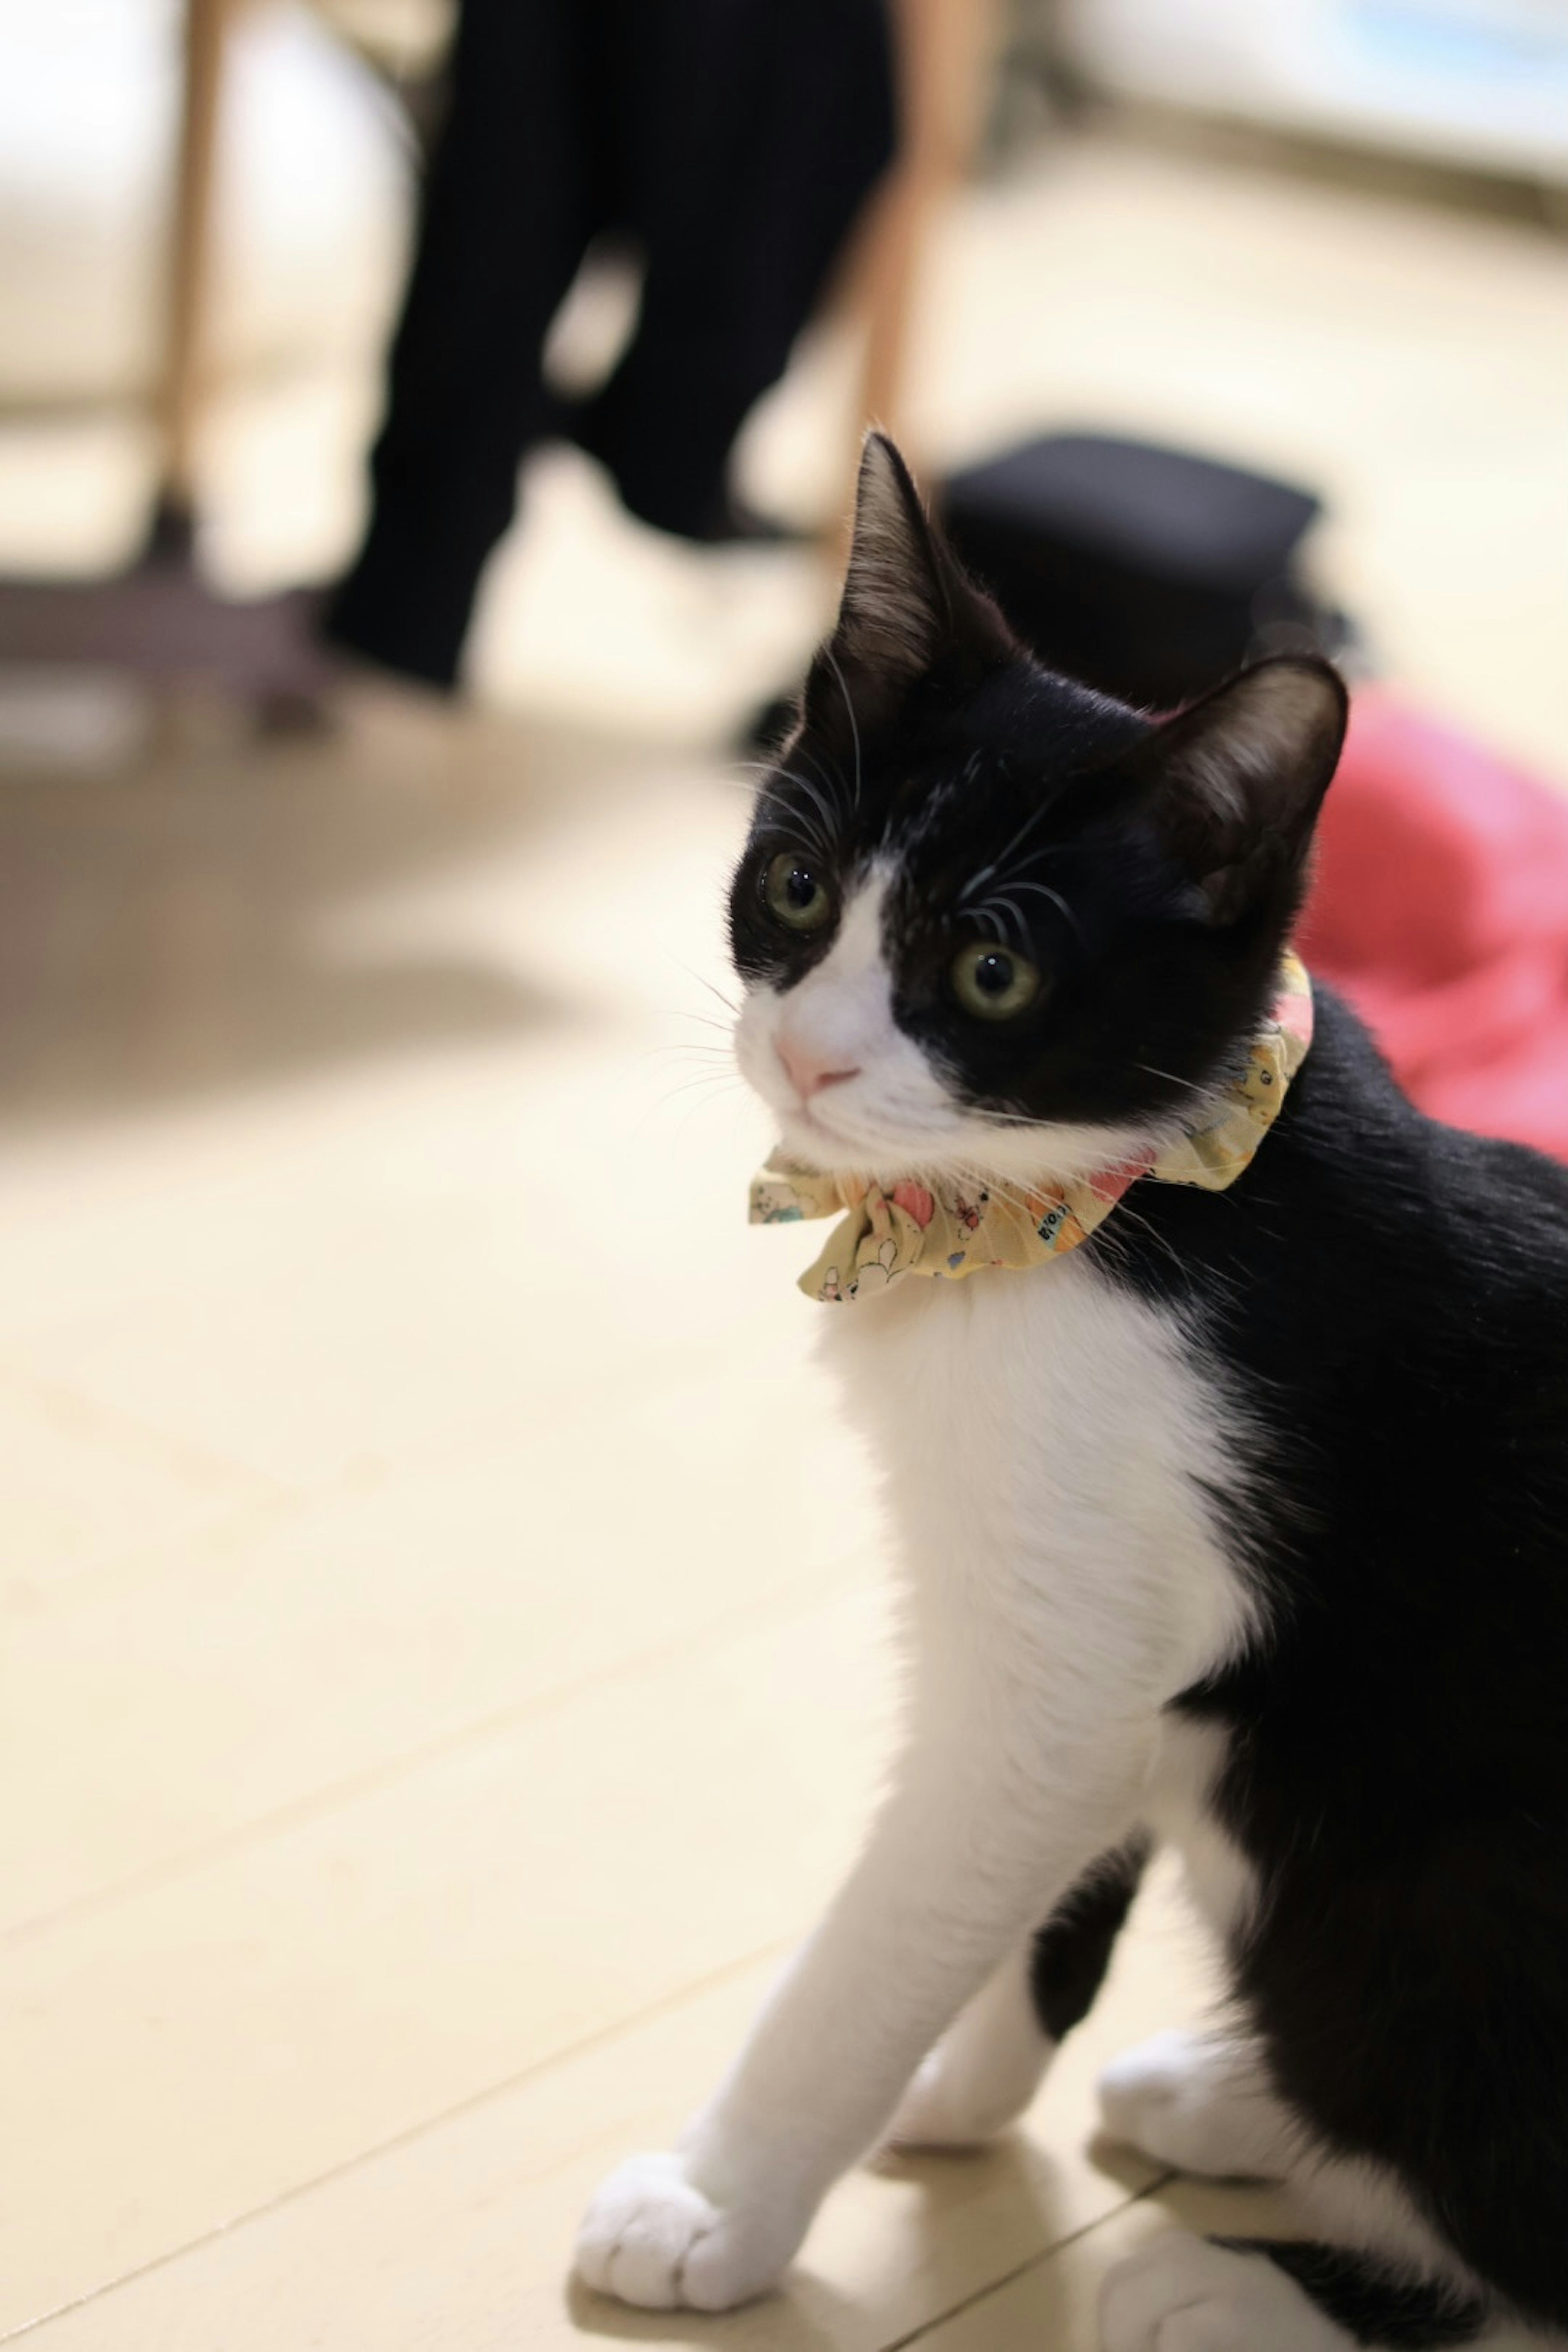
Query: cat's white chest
x=1043, y=1437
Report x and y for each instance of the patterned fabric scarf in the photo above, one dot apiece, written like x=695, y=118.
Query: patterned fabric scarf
x=948, y=1230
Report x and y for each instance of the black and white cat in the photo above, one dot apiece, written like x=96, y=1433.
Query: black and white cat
x=1242, y=1527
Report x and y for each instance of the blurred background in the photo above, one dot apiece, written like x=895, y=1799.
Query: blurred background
x=443, y=1618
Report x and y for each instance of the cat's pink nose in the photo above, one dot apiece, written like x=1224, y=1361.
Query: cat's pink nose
x=809, y=1073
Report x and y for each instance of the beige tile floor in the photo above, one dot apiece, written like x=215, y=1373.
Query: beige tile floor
x=444, y=1660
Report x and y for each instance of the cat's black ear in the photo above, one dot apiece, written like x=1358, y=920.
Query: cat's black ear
x=1239, y=778
x=906, y=606
x=894, y=607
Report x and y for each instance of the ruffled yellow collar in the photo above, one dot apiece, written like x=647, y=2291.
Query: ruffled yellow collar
x=941, y=1229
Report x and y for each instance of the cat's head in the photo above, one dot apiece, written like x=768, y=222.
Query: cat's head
x=989, y=920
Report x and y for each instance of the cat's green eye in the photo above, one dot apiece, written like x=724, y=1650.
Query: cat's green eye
x=795, y=892
x=992, y=982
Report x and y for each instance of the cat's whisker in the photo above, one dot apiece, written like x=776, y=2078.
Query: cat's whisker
x=986, y=873
x=1043, y=890
x=998, y=1187
x=727, y=1002
x=1112, y=1235
x=703, y=1085
x=709, y=1059
x=720, y=1080
x=1042, y=850
x=684, y=1013
x=824, y=829
x=989, y=912
x=702, y=1103
x=821, y=790
x=1168, y=1078
x=849, y=709
x=833, y=780
x=692, y=1046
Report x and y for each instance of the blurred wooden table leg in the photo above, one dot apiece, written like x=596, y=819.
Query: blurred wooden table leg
x=159, y=619
x=190, y=267
x=944, y=52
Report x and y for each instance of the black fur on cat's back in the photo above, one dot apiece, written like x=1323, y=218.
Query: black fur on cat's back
x=1390, y=1299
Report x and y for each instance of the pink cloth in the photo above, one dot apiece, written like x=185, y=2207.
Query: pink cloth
x=1441, y=909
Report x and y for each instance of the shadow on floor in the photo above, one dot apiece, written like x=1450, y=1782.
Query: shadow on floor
x=1007, y=2178
x=198, y=923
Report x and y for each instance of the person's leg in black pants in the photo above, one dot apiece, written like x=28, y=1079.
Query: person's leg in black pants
x=515, y=193
x=736, y=139
x=750, y=137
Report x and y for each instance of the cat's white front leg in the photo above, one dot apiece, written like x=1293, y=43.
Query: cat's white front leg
x=985, y=1829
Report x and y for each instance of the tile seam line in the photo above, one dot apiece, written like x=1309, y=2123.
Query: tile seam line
x=1032, y=2261
x=341, y=1796
x=278, y=1496
x=273, y=1486
x=411, y=2135
x=128, y=1436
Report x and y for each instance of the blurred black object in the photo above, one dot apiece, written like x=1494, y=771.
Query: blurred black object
x=734, y=141
x=1142, y=571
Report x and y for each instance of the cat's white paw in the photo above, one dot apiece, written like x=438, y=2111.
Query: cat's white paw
x=1182, y=2294
x=984, y=2072
x=938, y=2112
x=1192, y=2100
x=955, y=2104
x=651, y=2237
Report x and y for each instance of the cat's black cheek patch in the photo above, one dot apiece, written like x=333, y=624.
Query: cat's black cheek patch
x=986, y=1075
